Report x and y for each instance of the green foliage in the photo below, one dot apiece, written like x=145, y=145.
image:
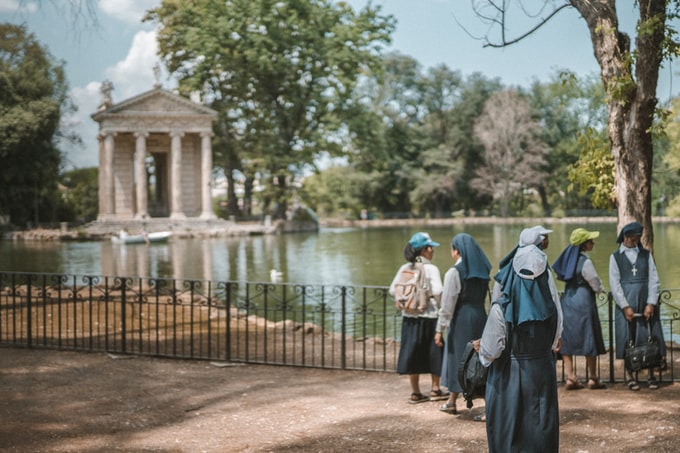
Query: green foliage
x=332, y=192
x=621, y=88
x=565, y=106
x=414, y=135
x=593, y=173
x=81, y=194
x=281, y=74
x=666, y=173
x=33, y=96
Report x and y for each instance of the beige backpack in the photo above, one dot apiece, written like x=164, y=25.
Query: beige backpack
x=412, y=293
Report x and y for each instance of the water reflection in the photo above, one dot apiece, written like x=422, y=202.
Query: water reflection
x=356, y=256
x=351, y=257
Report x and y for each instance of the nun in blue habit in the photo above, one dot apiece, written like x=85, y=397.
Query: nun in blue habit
x=462, y=310
x=635, y=286
x=522, y=331
x=582, y=328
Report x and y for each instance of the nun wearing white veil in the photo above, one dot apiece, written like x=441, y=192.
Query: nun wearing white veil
x=522, y=331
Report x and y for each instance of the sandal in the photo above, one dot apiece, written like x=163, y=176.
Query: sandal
x=633, y=385
x=652, y=384
x=449, y=408
x=573, y=384
x=595, y=384
x=418, y=398
x=438, y=395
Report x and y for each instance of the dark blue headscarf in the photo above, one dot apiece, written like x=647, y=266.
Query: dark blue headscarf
x=565, y=265
x=474, y=263
x=631, y=229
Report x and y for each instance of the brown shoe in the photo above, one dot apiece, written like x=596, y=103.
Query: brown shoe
x=418, y=398
x=595, y=384
x=438, y=395
x=573, y=384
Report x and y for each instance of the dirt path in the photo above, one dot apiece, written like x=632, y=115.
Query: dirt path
x=54, y=401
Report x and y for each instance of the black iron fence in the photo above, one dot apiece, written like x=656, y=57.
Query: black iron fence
x=325, y=326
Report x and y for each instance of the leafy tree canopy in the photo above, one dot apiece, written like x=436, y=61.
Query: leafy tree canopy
x=281, y=71
x=33, y=96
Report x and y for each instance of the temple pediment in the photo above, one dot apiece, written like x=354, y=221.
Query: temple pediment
x=154, y=103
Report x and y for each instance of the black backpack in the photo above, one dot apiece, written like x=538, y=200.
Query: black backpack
x=471, y=375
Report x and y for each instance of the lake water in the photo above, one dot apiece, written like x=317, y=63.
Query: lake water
x=347, y=256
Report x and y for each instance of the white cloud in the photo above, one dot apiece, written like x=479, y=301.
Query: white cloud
x=134, y=74
x=87, y=99
x=131, y=76
x=130, y=11
x=16, y=6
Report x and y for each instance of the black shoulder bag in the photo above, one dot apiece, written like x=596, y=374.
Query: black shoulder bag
x=643, y=356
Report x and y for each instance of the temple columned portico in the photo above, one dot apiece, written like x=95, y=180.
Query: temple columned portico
x=155, y=157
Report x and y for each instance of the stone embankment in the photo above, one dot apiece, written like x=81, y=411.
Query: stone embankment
x=187, y=228
x=445, y=221
x=218, y=227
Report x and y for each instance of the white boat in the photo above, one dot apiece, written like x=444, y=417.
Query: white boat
x=161, y=236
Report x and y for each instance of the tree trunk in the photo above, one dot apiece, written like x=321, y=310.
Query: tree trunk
x=248, y=196
x=281, y=196
x=232, y=201
x=632, y=101
x=545, y=204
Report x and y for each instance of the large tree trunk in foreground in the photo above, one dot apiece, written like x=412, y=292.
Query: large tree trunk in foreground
x=632, y=101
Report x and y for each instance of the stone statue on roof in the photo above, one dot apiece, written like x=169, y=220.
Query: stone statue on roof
x=105, y=89
x=157, y=75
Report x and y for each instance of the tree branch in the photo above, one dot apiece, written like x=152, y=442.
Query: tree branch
x=504, y=42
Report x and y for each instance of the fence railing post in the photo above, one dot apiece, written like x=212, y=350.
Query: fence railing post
x=610, y=309
x=227, y=294
x=343, y=324
x=29, y=308
x=123, y=316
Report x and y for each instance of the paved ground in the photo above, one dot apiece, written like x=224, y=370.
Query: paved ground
x=53, y=401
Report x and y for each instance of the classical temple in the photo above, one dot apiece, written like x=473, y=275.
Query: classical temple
x=155, y=157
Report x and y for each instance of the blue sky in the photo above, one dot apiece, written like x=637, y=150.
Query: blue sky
x=123, y=50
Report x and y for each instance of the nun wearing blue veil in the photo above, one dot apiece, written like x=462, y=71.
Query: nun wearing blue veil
x=634, y=282
x=462, y=310
x=522, y=331
x=582, y=328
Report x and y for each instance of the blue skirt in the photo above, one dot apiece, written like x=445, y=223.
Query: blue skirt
x=468, y=324
x=418, y=353
x=582, y=334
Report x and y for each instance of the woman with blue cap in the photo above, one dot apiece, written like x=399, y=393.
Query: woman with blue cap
x=582, y=334
x=462, y=311
x=634, y=284
x=418, y=354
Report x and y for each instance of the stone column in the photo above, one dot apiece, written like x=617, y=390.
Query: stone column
x=142, y=211
x=206, y=176
x=101, y=202
x=176, y=183
x=107, y=190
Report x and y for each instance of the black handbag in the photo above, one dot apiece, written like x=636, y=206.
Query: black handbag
x=471, y=375
x=643, y=356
